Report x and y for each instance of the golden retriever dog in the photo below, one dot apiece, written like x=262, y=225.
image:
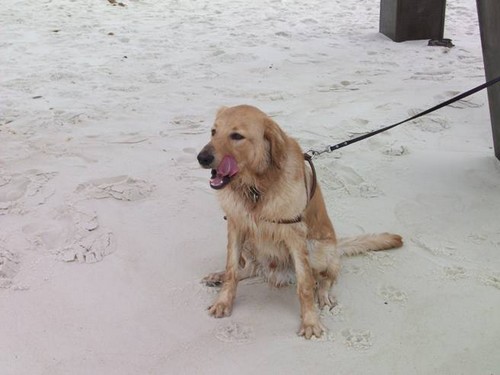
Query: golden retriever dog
x=277, y=222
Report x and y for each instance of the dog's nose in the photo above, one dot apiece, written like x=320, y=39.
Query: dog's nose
x=205, y=158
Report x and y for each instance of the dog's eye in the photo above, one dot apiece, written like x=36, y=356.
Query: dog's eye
x=236, y=136
x=213, y=132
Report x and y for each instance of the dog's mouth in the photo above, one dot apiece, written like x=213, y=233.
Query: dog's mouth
x=221, y=176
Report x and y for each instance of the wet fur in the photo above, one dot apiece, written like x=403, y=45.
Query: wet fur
x=306, y=252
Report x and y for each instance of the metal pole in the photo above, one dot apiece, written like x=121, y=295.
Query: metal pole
x=489, y=25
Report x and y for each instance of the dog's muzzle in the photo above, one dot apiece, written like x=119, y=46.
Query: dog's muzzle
x=222, y=173
x=205, y=158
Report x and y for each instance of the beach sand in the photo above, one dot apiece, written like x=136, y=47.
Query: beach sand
x=107, y=223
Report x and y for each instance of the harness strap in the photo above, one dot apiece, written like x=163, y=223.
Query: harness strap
x=308, y=158
x=310, y=194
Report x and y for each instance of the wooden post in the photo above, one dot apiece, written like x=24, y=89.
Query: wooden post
x=489, y=25
x=403, y=20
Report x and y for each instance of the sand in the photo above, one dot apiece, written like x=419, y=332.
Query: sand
x=107, y=224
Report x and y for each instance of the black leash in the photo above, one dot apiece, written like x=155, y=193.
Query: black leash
x=315, y=153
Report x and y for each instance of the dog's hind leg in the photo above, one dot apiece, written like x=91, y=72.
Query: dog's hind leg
x=325, y=263
x=246, y=270
x=214, y=279
x=310, y=323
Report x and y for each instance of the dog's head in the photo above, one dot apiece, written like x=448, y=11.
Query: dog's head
x=245, y=143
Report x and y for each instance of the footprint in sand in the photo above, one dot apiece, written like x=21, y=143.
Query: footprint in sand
x=187, y=125
x=381, y=260
x=71, y=235
x=489, y=279
x=231, y=58
x=343, y=86
x=235, y=333
x=435, y=245
x=392, y=294
x=367, y=190
x=461, y=104
x=357, y=339
x=396, y=151
x=21, y=191
x=455, y=273
x=122, y=188
x=431, y=123
x=187, y=157
x=9, y=266
x=346, y=180
x=443, y=75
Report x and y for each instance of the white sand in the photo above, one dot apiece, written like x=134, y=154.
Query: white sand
x=107, y=224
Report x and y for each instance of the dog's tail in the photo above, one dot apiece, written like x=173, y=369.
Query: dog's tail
x=368, y=242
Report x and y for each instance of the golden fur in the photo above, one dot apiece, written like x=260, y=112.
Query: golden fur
x=305, y=252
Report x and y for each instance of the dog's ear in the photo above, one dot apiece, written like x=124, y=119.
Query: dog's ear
x=277, y=142
x=220, y=110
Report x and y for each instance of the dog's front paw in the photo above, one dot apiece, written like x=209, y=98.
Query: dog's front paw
x=220, y=309
x=309, y=329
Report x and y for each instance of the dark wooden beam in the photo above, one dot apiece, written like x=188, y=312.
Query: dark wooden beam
x=489, y=26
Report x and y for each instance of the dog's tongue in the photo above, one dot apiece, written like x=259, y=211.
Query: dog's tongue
x=226, y=169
